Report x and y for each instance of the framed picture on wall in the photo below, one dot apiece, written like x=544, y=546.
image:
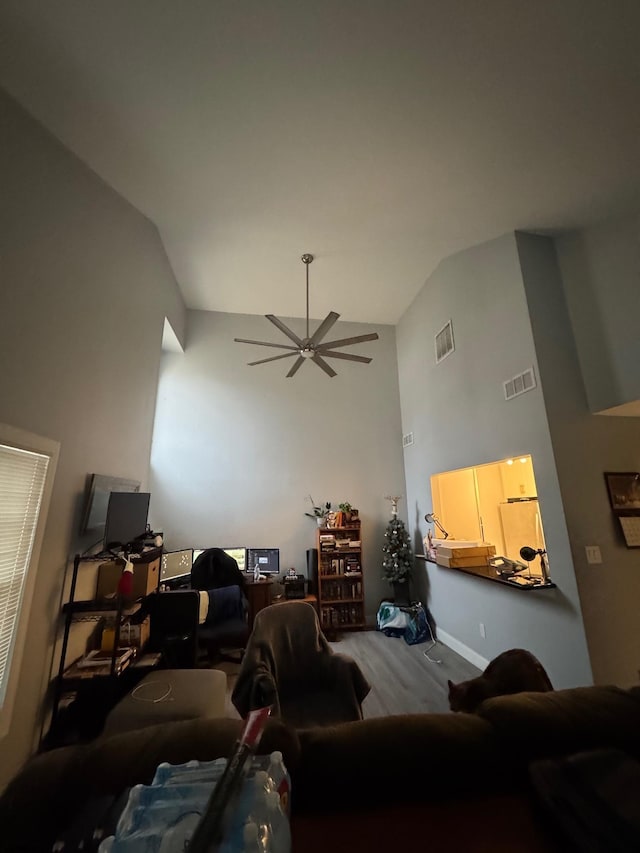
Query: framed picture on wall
x=624, y=490
x=624, y=494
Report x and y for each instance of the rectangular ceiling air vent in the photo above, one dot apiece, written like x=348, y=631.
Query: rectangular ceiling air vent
x=444, y=342
x=520, y=384
x=407, y=439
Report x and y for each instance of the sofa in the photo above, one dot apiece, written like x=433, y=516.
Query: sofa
x=451, y=782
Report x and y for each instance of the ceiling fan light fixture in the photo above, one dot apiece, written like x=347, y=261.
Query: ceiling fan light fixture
x=310, y=348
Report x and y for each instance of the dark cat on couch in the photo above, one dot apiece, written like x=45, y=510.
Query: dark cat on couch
x=514, y=671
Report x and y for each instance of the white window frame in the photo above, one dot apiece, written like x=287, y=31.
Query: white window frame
x=22, y=440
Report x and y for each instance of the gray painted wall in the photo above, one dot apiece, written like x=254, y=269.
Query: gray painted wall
x=586, y=445
x=84, y=289
x=601, y=272
x=459, y=418
x=237, y=449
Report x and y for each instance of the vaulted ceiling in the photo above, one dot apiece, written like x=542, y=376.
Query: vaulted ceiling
x=380, y=136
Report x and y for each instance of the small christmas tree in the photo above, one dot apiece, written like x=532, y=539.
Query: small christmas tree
x=397, y=562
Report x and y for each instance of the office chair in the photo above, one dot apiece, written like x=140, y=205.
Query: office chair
x=227, y=624
x=174, y=627
x=290, y=666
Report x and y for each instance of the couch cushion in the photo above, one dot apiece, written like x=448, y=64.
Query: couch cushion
x=44, y=798
x=395, y=759
x=484, y=823
x=544, y=725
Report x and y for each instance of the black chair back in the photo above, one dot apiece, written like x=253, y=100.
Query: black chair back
x=174, y=626
x=215, y=569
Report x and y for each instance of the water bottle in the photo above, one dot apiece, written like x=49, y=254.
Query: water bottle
x=262, y=786
x=280, y=831
x=251, y=838
x=281, y=779
x=263, y=781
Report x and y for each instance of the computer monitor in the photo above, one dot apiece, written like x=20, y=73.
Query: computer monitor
x=95, y=511
x=175, y=566
x=126, y=517
x=266, y=559
x=238, y=554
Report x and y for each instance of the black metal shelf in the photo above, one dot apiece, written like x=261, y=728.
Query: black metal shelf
x=104, y=605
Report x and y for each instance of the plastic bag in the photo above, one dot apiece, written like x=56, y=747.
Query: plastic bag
x=417, y=630
x=392, y=621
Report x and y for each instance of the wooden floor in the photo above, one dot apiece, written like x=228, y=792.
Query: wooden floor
x=402, y=680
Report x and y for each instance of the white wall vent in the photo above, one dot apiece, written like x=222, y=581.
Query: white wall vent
x=520, y=384
x=407, y=439
x=444, y=342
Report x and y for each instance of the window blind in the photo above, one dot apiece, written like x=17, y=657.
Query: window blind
x=22, y=481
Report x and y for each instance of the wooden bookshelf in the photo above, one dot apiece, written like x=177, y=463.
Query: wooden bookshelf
x=340, y=578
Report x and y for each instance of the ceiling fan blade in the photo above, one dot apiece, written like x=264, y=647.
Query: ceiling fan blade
x=295, y=367
x=324, y=327
x=265, y=344
x=284, y=329
x=345, y=355
x=323, y=364
x=273, y=358
x=345, y=342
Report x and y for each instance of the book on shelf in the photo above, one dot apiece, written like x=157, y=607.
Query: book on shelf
x=98, y=658
x=75, y=671
x=98, y=663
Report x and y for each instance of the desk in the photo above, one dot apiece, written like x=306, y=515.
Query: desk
x=259, y=595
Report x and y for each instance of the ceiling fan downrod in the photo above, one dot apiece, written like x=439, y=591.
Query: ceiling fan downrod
x=306, y=260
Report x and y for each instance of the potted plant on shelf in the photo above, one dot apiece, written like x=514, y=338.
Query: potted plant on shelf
x=320, y=511
x=345, y=508
x=397, y=562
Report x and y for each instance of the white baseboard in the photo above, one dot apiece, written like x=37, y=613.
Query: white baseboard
x=462, y=650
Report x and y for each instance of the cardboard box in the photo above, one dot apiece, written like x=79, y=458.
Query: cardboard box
x=474, y=551
x=145, y=578
x=456, y=543
x=461, y=562
x=135, y=635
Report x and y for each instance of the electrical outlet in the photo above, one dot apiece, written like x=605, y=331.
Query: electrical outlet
x=594, y=557
x=483, y=633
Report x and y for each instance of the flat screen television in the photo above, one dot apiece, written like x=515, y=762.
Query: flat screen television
x=94, y=516
x=126, y=517
x=266, y=559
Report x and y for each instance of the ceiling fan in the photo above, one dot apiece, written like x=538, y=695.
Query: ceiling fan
x=310, y=347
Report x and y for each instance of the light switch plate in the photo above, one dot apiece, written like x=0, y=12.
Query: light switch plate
x=594, y=557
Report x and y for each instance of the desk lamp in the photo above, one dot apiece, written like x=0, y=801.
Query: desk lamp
x=433, y=519
x=530, y=554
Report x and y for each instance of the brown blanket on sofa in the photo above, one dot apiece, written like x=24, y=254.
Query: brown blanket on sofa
x=290, y=665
